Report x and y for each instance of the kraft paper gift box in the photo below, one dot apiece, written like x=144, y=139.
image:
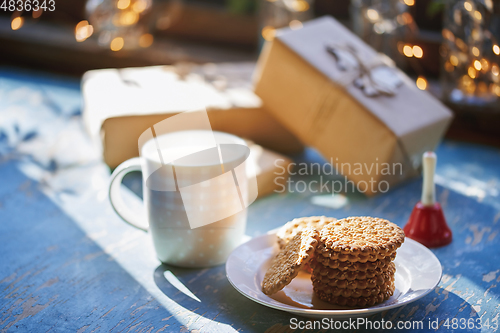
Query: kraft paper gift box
x=120, y=104
x=340, y=96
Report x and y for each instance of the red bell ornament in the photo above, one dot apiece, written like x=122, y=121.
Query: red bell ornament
x=427, y=224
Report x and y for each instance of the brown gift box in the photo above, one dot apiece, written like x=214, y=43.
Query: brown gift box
x=303, y=85
x=120, y=104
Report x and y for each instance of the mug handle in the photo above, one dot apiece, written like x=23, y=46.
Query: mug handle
x=115, y=196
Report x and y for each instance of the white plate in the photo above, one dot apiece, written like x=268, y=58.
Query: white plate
x=418, y=272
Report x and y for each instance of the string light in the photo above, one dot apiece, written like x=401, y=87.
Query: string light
x=83, y=30
x=421, y=83
x=476, y=34
x=37, y=13
x=268, y=33
x=163, y=22
x=295, y=24
x=477, y=65
x=448, y=35
x=122, y=24
x=472, y=72
x=372, y=15
x=448, y=67
x=482, y=88
x=460, y=43
x=454, y=60
x=125, y=18
x=300, y=5
x=484, y=65
x=468, y=84
x=139, y=6
x=116, y=44
x=496, y=89
x=17, y=23
x=417, y=51
x=482, y=73
x=123, y=4
x=406, y=18
x=409, y=2
x=408, y=51
x=146, y=40
x=495, y=70
x=400, y=46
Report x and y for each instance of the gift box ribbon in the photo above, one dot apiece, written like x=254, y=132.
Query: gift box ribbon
x=375, y=78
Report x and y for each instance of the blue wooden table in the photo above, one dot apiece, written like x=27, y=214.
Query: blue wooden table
x=69, y=264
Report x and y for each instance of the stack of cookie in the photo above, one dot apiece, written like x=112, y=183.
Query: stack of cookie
x=353, y=262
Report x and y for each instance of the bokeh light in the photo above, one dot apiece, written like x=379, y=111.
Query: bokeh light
x=36, y=13
x=477, y=65
x=17, y=23
x=408, y=51
x=417, y=51
x=116, y=44
x=295, y=24
x=268, y=33
x=83, y=30
x=123, y=4
x=472, y=72
x=372, y=15
x=421, y=83
x=146, y=40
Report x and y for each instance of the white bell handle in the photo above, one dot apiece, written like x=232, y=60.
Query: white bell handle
x=429, y=160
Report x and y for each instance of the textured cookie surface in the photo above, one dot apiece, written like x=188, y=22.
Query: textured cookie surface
x=288, y=262
x=358, y=257
x=290, y=229
x=372, y=282
x=355, y=266
x=362, y=236
x=355, y=301
x=321, y=271
x=357, y=292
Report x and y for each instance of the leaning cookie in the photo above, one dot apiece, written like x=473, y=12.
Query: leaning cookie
x=290, y=260
x=290, y=229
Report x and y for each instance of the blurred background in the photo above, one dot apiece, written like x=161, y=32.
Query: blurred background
x=450, y=48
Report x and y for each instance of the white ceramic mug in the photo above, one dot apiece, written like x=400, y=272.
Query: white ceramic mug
x=183, y=186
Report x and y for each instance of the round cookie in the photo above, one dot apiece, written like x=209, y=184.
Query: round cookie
x=378, y=280
x=331, y=273
x=362, y=235
x=361, y=257
x=355, y=301
x=356, y=292
x=353, y=266
x=290, y=229
x=290, y=260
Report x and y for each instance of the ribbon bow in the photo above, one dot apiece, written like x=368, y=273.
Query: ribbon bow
x=379, y=78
